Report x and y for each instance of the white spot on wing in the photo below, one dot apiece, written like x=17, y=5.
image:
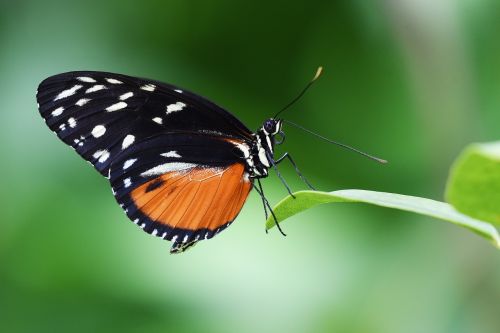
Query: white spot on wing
x=114, y=81
x=129, y=163
x=129, y=139
x=175, y=107
x=62, y=127
x=126, y=95
x=171, y=153
x=58, y=111
x=98, y=131
x=95, y=88
x=82, y=101
x=97, y=154
x=167, y=167
x=102, y=155
x=72, y=122
x=79, y=141
x=155, y=232
x=185, y=239
x=178, y=90
x=127, y=182
x=68, y=92
x=116, y=106
x=85, y=79
x=148, y=87
x=158, y=120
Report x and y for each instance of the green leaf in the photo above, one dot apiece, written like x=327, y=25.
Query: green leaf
x=474, y=184
x=440, y=210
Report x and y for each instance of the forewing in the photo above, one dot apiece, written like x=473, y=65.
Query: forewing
x=102, y=114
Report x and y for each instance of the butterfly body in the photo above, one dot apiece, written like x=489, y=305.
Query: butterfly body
x=180, y=166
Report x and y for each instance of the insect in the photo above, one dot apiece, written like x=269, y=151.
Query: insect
x=180, y=166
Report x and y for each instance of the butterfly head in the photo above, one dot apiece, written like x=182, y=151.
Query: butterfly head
x=272, y=126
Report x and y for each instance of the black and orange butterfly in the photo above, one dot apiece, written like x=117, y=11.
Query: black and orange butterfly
x=180, y=166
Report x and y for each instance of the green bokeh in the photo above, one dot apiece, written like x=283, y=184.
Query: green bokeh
x=412, y=81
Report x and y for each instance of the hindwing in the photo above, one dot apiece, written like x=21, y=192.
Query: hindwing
x=181, y=187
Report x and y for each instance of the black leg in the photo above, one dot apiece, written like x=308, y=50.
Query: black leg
x=262, y=197
x=304, y=179
x=270, y=159
x=270, y=209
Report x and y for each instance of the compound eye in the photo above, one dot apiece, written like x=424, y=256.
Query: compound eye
x=269, y=126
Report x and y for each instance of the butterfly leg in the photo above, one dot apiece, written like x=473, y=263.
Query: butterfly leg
x=270, y=158
x=304, y=179
x=179, y=247
x=263, y=197
x=266, y=203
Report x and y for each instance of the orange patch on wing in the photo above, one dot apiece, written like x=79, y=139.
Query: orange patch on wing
x=196, y=198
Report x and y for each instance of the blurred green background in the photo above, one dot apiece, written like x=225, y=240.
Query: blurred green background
x=412, y=81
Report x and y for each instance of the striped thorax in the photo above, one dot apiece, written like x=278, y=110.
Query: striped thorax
x=260, y=155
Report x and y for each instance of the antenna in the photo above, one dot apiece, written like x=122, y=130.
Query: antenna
x=318, y=74
x=336, y=143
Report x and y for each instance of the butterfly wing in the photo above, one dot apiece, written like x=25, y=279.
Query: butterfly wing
x=181, y=187
x=101, y=114
x=172, y=157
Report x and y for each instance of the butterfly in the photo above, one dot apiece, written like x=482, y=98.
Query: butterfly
x=180, y=166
